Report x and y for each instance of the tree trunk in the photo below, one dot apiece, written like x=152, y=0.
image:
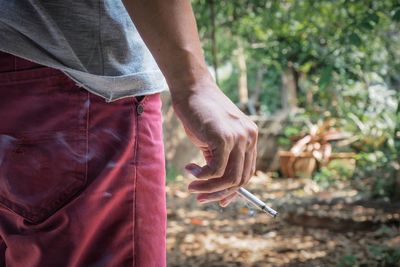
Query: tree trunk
x=309, y=99
x=253, y=103
x=397, y=146
x=214, y=49
x=255, y=97
x=242, y=84
x=289, y=88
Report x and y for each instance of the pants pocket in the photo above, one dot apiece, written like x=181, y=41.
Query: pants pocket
x=40, y=173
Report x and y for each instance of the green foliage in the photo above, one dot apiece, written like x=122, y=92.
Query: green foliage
x=387, y=256
x=171, y=174
x=348, y=261
x=296, y=125
x=396, y=15
x=369, y=112
x=355, y=39
x=372, y=122
x=338, y=169
x=326, y=77
x=378, y=168
x=331, y=44
x=346, y=60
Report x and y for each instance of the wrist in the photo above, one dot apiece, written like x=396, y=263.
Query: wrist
x=201, y=86
x=189, y=81
x=187, y=70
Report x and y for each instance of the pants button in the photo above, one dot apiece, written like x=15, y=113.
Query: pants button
x=139, y=109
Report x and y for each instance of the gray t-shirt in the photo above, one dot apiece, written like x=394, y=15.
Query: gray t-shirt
x=93, y=42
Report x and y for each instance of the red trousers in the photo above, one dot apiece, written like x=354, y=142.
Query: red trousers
x=81, y=180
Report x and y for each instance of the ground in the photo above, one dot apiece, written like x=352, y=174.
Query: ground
x=335, y=227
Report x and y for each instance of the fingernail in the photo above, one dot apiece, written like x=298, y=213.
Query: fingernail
x=196, y=171
x=193, y=170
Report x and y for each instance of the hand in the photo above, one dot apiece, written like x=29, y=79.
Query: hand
x=226, y=136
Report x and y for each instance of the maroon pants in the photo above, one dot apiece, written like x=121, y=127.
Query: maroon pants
x=81, y=180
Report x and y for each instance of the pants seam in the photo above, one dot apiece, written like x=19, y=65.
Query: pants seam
x=87, y=138
x=135, y=162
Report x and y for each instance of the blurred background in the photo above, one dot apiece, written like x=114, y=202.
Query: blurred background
x=322, y=81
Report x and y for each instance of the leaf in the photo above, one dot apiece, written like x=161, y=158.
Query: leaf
x=396, y=15
x=326, y=77
x=348, y=260
x=367, y=25
x=306, y=67
x=374, y=17
x=355, y=39
x=370, y=21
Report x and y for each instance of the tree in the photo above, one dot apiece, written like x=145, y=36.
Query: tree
x=323, y=46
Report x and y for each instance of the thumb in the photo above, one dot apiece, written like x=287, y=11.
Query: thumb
x=199, y=172
x=193, y=169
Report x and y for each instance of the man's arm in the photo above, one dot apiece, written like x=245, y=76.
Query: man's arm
x=225, y=135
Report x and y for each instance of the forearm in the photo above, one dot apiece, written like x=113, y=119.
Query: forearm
x=169, y=30
x=212, y=122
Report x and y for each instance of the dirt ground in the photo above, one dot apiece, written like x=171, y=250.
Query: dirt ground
x=335, y=227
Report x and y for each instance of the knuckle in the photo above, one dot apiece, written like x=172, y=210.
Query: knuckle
x=219, y=172
x=241, y=136
x=253, y=131
x=255, y=127
x=253, y=136
x=225, y=139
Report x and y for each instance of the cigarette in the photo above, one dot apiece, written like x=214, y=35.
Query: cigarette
x=257, y=202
